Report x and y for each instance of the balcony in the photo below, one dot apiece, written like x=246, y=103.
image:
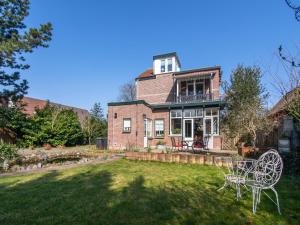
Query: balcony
x=194, y=98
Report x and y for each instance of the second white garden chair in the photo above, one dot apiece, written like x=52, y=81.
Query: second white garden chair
x=266, y=174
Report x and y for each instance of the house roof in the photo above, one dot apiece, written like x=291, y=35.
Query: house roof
x=203, y=69
x=31, y=104
x=280, y=105
x=219, y=103
x=149, y=72
x=166, y=55
x=146, y=73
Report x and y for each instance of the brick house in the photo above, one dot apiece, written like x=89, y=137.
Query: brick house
x=169, y=103
x=31, y=104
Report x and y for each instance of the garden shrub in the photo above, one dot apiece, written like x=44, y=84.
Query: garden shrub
x=54, y=126
x=291, y=162
x=7, y=152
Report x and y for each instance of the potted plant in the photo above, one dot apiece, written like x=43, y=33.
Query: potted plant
x=176, y=131
x=160, y=145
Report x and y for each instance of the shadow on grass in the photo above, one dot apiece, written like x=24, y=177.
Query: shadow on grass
x=93, y=198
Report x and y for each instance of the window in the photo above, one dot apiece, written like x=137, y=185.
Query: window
x=211, y=112
x=159, y=128
x=199, y=88
x=208, y=126
x=162, y=65
x=127, y=125
x=190, y=87
x=215, y=125
x=176, y=114
x=212, y=121
x=199, y=112
x=176, y=126
x=183, y=88
x=149, y=128
x=189, y=113
x=170, y=66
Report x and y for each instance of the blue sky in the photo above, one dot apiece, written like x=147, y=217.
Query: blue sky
x=99, y=45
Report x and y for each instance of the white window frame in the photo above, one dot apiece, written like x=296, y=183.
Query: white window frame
x=162, y=131
x=168, y=64
x=149, y=128
x=126, y=129
x=208, y=115
x=163, y=65
x=178, y=115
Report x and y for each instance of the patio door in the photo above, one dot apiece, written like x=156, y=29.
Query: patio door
x=208, y=131
x=188, y=131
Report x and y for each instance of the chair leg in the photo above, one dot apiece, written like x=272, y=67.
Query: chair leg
x=224, y=185
x=255, y=194
x=277, y=200
x=238, y=191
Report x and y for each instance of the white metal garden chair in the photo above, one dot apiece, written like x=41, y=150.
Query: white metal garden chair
x=267, y=172
x=259, y=175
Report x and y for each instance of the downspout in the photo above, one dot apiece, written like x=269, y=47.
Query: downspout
x=136, y=126
x=182, y=122
x=113, y=127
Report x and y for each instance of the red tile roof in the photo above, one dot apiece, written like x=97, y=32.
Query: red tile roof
x=147, y=73
x=281, y=104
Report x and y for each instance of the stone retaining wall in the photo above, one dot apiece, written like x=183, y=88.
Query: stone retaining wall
x=178, y=158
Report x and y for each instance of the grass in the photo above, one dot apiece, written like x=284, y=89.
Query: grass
x=135, y=192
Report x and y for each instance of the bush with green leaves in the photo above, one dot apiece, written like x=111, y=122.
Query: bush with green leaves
x=14, y=122
x=7, y=152
x=95, y=125
x=55, y=126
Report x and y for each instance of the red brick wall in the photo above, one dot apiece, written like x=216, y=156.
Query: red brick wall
x=217, y=142
x=117, y=139
x=216, y=85
x=161, y=89
x=161, y=114
x=157, y=90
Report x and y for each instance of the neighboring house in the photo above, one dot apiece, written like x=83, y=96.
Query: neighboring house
x=31, y=104
x=286, y=127
x=170, y=103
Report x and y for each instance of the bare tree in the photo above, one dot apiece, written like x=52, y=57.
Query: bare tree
x=127, y=92
x=295, y=5
x=289, y=85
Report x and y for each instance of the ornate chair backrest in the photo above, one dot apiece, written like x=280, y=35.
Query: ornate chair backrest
x=205, y=141
x=268, y=169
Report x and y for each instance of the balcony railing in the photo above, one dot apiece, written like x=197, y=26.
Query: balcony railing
x=194, y=98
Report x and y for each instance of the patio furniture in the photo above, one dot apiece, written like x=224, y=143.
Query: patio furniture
x=238, y=173
x=266, y=174
x=176, y=145
x=205, y=143
x=259, y=175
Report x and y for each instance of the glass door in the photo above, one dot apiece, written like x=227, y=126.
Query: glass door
x=188, y=130
x=208, y=132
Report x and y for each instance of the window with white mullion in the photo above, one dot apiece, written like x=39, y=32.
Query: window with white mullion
x=159, y=128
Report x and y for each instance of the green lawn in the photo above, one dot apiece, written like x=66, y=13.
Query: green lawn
x=129, y=192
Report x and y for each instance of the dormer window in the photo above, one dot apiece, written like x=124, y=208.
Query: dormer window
x=163, y=66
x=170, y=66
